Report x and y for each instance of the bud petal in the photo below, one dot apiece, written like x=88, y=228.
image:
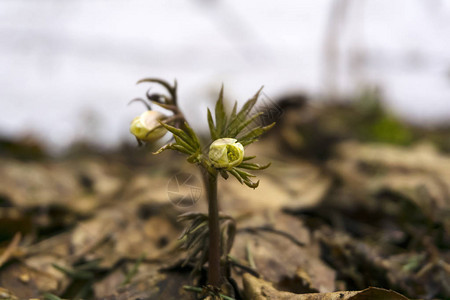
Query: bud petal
x=226, y=153
x=146, y=127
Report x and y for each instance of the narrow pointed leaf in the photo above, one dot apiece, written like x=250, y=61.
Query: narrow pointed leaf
x=172, y=147
x=212, y=127
x=192, y=134
x=221, y=117
x=233, y=112
x=234, y=131
x=251, y=184
x=163, y=148
x=181, y=149
x=255, y=133
x=245, y=110
x=192, y=253
x=197, y=236
x=250, y=166
x=184, y=144
x=248, y=142
x=243, y=174
x=180, y=133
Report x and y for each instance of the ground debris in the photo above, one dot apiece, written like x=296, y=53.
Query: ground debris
x=353, y=215
x=258, y=289
x=283, y=252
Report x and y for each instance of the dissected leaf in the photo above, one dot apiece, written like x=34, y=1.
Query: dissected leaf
x=244, y=111
x=233, y=132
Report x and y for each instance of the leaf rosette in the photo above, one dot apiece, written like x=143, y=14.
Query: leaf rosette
x=237, y=127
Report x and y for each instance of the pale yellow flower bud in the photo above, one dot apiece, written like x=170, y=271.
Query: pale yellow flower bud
x=226, y=153
x=146, y=127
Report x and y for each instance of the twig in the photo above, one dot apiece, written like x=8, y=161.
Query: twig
x=273, y=230
x=235, y=262
x=10, y=249
x=250, y=259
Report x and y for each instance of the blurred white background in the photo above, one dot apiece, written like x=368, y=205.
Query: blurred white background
x=68, y=68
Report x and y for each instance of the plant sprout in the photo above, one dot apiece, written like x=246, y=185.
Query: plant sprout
x=207, y=238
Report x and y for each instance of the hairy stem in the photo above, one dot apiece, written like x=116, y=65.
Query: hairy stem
x=214, y=273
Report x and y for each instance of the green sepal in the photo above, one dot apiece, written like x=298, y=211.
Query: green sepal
x=243, y=177
x=236, y=175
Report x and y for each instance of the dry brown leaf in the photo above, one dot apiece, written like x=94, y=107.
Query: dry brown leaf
x=289, y=184
x=284, y=254
x=164, y=285
x=9, y=251
x=259, y=289
x=368, y=168
x=5, y=294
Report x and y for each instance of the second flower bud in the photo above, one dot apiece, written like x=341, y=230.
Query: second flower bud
x=146, y=127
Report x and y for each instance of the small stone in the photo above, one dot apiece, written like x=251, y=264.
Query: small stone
x=25, y=278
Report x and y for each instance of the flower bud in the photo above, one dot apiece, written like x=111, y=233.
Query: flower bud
x=146, y=127
x=226, y=153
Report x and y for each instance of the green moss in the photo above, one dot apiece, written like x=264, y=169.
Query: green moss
x=386, y=129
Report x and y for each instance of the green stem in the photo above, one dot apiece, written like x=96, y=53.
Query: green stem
x=214, y=273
